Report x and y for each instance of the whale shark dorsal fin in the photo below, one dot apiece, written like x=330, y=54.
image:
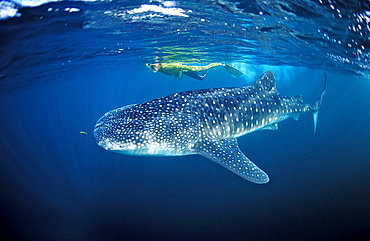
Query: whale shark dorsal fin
x=267, y=82
x=226, y=152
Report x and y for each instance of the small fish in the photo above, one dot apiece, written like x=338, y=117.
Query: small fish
x=83, y=132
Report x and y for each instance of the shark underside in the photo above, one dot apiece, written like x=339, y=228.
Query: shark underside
x=205, y=122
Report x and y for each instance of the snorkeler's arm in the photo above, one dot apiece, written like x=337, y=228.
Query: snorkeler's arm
x=180, y=74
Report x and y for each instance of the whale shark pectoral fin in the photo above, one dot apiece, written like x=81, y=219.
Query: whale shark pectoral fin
x=226, y=152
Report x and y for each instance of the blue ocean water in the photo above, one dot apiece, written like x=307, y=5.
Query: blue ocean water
x=66, y=63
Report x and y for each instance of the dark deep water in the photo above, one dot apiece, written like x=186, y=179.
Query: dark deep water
x=57, y=184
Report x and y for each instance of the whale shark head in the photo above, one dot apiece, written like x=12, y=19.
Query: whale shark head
x=143, y=129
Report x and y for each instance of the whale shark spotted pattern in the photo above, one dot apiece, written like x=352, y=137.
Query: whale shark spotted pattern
x=205, y=122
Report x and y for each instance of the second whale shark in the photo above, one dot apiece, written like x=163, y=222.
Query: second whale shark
x=205, y=122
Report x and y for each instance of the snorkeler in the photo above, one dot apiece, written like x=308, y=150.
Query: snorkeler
x=193, y=70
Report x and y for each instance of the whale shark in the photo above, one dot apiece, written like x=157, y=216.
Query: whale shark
x=205, y=122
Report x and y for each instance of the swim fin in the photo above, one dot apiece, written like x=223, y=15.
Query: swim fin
x=233, y=71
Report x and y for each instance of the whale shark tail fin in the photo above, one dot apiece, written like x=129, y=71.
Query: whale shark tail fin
x=316, y=107
x=232, y=70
